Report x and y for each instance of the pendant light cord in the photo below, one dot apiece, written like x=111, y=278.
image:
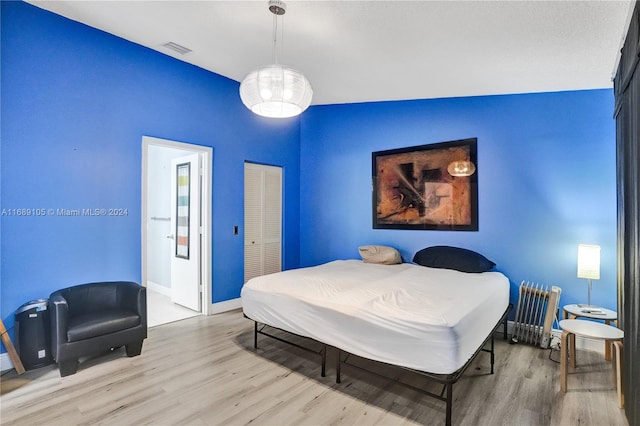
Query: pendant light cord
x=275, y=38
x=278, y=9
x=281, y=53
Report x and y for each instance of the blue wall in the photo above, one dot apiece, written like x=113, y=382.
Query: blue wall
x=546, y=172
x=77, y=101
x=75, y=104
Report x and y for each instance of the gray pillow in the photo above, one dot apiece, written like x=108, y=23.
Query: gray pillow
x=380, y=254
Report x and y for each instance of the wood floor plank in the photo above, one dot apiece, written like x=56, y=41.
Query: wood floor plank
x=204, y=371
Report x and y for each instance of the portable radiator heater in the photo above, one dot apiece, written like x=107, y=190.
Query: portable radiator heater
x=536, y=310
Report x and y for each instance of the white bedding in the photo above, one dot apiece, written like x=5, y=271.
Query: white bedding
x=423, y=318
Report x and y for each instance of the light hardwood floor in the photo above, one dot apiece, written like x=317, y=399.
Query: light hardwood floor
x=204, y=371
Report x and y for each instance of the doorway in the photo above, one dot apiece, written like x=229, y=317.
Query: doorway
x=176, y=229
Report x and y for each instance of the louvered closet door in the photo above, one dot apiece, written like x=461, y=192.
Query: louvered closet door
x=252, y=222
x=262, y=220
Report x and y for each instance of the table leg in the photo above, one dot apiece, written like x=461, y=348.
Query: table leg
x=572, y=350
x=617, y=370
x=564, y=352
x=607, y=345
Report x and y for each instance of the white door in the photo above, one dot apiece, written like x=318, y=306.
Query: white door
x=185, y=231
x=262, y=220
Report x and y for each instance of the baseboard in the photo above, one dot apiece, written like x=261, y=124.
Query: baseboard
x=226, y=306
x=165, y=291
x=5, y=362
x=582, y=343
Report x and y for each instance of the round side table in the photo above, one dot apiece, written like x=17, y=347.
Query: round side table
x=593, y=312
x=592, y=330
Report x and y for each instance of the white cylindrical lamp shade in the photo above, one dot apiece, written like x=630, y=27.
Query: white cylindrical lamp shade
x=589, y=261
x=276, y=91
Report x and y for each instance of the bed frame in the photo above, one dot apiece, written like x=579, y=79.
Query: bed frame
x=447, y=380
x=261, y=330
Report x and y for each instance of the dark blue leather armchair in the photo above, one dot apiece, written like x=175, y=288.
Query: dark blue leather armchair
x=90, y=318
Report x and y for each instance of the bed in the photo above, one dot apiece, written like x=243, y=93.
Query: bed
x=431, y=320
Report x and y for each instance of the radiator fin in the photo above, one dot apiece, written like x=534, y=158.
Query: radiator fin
x=537, y=306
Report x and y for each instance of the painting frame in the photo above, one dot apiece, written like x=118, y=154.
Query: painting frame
x=414, y=188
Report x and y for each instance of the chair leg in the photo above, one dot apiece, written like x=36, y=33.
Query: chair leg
x=134, y=348
x=68, y=368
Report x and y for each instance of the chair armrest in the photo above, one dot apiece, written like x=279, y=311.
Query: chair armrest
x=134, y=297
x=59, y=315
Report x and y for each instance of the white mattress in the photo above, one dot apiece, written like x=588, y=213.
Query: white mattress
x=427, y=319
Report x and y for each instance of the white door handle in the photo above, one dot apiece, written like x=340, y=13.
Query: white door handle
x=170, y=236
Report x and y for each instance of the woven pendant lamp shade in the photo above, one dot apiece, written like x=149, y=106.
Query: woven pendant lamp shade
x=276, y=91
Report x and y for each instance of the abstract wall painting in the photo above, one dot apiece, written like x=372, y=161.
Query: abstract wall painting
x=427, y=187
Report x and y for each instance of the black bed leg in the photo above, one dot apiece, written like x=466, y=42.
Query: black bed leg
x=505, y=329
x=255, y=335
x=324, y=360
x=449, y=403
x=493, y=357
x=338, y=378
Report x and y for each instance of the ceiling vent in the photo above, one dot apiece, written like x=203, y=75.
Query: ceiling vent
x=177, y=48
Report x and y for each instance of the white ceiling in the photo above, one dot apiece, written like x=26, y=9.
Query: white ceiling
x=357, y=51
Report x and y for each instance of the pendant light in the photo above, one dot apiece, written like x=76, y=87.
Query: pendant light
x=275, y=90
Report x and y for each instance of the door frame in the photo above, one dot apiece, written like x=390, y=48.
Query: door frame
x=205, y=209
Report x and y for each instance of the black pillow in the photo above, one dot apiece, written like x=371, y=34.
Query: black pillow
x=446, y=257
